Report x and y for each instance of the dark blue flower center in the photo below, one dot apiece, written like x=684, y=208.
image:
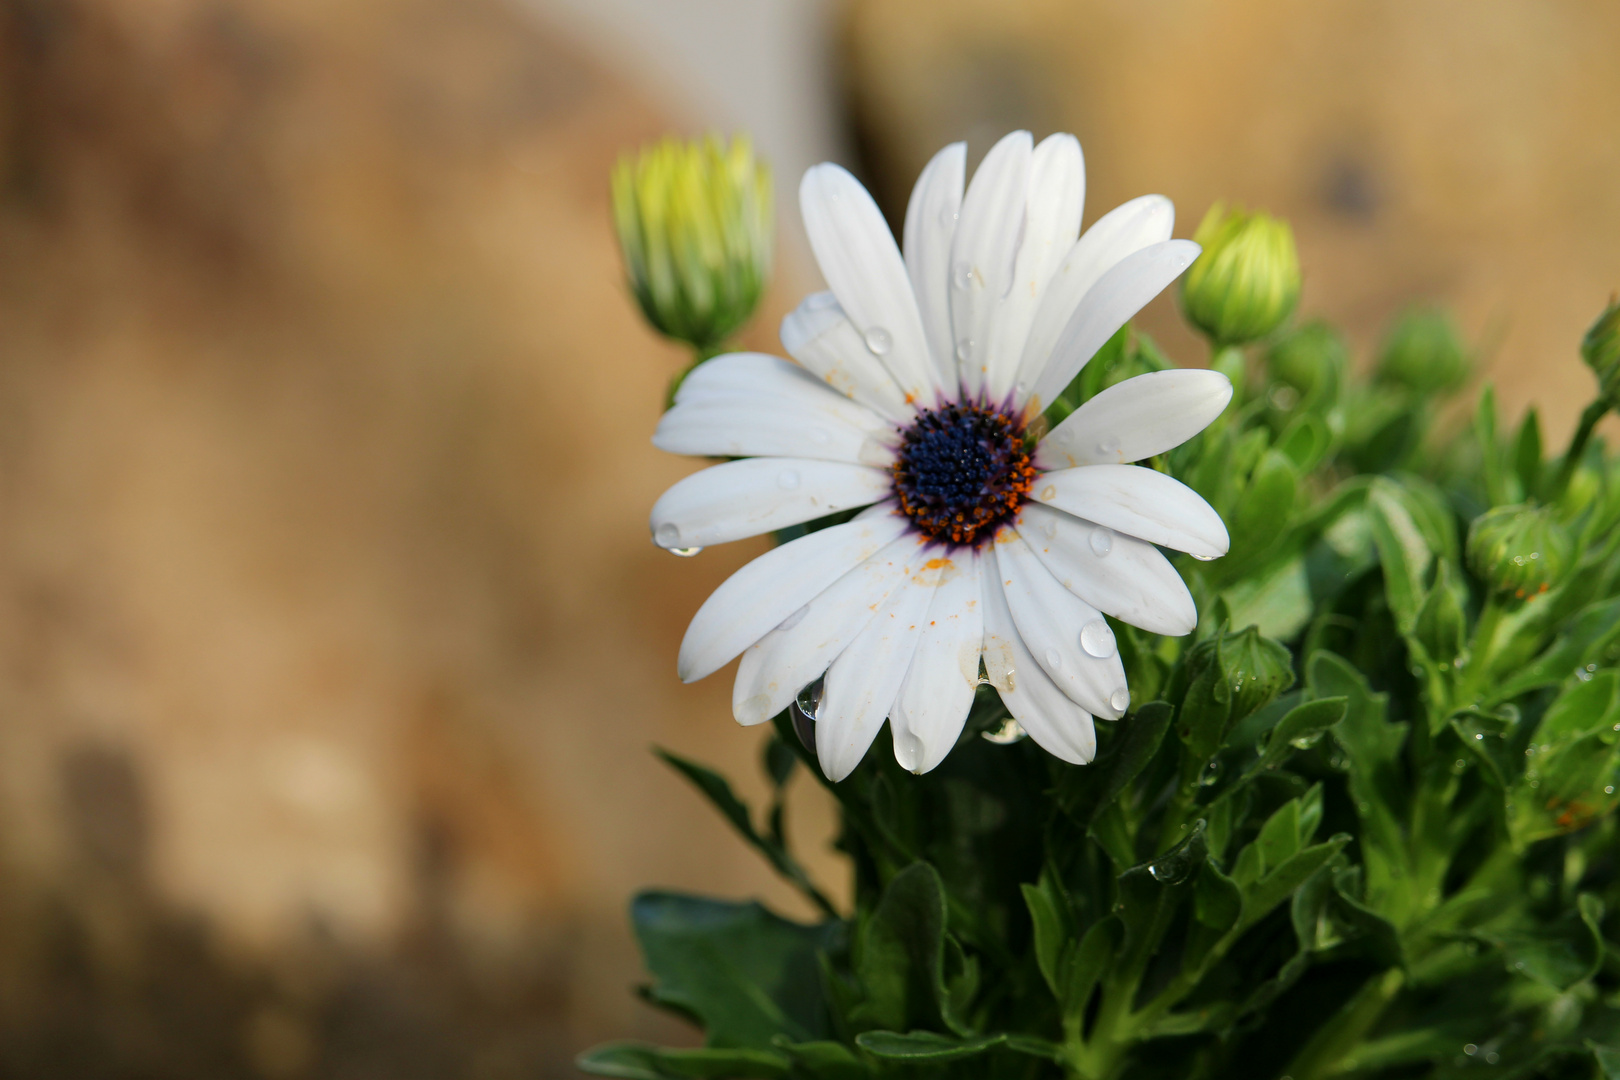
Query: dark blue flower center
x=962, y=470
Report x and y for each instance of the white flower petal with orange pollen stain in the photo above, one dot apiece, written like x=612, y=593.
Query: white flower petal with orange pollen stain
x=915, y=377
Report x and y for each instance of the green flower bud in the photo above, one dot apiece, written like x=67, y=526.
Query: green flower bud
x=1311, y=360
x=1600, y=348
x=1257, y=669
x=1424, y=353
x=695, y=225
x=1522, y=549
x=1246, y=281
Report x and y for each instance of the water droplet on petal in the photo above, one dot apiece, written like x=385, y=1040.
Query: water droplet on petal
x=947, y=217
x=1097, y=639
x=962, y=275
x=820, y=436
x=667, y=535
x=1048, y=529
x=1108, y=446
x=803, y=711
x=908, y=750
x=878, y=340
x=1120, y=700
x=1054, y=658
x=1204, y=558
x=794, y=619
x=1009, y=732
x=1102, y=541
x=964, y=349
x=685, y=552
x=787, y=479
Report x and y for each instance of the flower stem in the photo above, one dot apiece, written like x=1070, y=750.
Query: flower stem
x=1333, y=1040
x=1577, y=447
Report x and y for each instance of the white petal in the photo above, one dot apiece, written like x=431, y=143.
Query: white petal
x=863, y=267
x=820, y=336
x=771, y=376
x=1057, y=627
x=930, y=223
x=1059, y=726
x=984, y=252
x=756, y=495
x=864, y=681
x=1135, y=419
x=938, y=690
x=794, y=655
x=1057, y=192
x=1108, y=305
x=1139, y=502
x=767, y=426
x=775, y=588
x=1118, y=575
x=1122, y=231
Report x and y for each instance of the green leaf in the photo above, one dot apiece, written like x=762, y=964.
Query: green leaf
x=900, y=956
x=1051, y=930
x=824, y=1060
x=1085, y=793
x=1591, y=633
x=1305, y=441
x=640, y=1061
x=1280, y=883
x=718, y=791
x=1496, y=490
x=1267, y=503
x=1278, y=600
x=1383, y=941
x=1559, y=954
x=1584, y=708
x=924, y=1046
x=1440, y=628
x=1485, y=735
x=1606, y=1058
x=1527, y=454
x=1372, y=747
x=1402, y=549
x=1300, y=728
x=1085, y=965
x=745, y=974
x=1279, y=836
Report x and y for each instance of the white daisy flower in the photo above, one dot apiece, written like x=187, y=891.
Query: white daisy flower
x=916, y=380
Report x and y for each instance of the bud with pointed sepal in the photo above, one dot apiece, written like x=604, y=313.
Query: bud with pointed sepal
x=695, y=226
x=1521, y=550
x=1247, y=280
x=1600, y=348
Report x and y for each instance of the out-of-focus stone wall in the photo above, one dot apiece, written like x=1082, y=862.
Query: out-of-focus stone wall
x=1453, y=151
x=333, y=644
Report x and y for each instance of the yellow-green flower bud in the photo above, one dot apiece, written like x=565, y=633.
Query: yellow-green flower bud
x=1600, y=348
x=1521, y=550
x=1423, y=352
x=695, y=225
x=1246, y=281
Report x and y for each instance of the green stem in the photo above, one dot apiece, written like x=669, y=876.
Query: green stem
x=1577, y=447
x=1334, y=1039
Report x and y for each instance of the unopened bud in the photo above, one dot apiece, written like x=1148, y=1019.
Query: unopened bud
x=695, y=225
x=1521, y=550
x=1308, y=359
x=1246, y=281
x=1600, y=348
x=1424, y=352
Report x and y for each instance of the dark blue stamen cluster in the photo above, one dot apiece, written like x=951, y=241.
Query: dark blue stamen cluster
x=961, y=470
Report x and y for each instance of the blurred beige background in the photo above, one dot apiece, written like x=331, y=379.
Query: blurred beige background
x=333, y=642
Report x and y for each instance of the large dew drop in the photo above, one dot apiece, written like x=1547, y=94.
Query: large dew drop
x=787, y=479
x=685, y=552
x=908, y=751
x=1120, y=700
x=794, y=619
x=879, y=340
x=1054, y=659
x=1102, y=541
x=1097, y=639
x=667, y=535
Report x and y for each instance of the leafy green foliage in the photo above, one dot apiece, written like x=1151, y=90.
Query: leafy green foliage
x=1360, y=824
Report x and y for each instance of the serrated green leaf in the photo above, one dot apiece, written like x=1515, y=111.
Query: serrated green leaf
x=746, y=974
x=1278, y=885
x=900, y=958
